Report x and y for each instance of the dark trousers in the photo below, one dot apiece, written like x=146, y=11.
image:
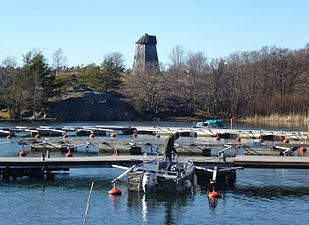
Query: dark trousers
x=168, y=161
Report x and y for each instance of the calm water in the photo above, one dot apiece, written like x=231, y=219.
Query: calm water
x=260, y=196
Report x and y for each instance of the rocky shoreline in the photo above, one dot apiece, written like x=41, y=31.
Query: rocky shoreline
x=91, y=107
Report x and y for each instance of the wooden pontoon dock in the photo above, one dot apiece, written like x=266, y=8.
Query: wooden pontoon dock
x=12, y=164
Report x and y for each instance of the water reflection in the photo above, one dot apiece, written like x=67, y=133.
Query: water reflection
x=213, y=202
x=170, y=202
x=271, y=192
x=220, y=188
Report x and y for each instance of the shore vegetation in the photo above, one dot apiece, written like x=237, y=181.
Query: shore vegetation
x=270, y=84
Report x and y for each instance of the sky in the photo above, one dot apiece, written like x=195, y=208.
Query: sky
x=87, y=30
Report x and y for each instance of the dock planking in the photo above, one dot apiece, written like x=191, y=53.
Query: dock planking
x=271, y=162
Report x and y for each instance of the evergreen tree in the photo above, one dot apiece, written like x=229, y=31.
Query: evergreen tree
x=40, y=81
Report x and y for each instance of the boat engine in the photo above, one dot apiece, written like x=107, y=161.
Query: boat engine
x=149, y=181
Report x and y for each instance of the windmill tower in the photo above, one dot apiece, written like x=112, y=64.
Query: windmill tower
x=146, y=57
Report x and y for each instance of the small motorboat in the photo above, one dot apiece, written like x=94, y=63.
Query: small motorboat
x=153, y=175
x=210, y=124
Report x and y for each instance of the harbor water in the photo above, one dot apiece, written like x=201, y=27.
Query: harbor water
x=259, y=196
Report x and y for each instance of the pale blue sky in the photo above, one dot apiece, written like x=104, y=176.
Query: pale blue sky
x=87, y=30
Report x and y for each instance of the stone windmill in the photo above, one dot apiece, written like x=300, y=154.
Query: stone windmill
x=146, y=57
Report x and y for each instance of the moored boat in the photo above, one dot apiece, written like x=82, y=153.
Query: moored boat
x=153, y=175
x=210, y=124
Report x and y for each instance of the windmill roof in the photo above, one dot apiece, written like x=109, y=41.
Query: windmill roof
x=147, y=39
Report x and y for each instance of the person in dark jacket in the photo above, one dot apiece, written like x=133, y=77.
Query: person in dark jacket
x=169, y=149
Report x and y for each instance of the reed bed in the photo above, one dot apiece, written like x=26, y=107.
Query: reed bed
x=290, y=118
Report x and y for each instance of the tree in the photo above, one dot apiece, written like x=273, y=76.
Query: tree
x=215, y=77
x=146, y=91
x=11, y=87
x=9, y=62
x=177, y=59
x=111, y=71
x=59, y=61
x=40, y=80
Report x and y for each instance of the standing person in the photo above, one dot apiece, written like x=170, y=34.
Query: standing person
x=169, y=149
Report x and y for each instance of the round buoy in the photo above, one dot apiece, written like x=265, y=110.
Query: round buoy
x=92, y=135
x=217, y=138
x=158, y=135
x=214, y=194
x=113, y=135
x=9, y=137
x=302, y=150
x=282, y=137
x=69, y=154
x=65, y=136
x=238, y=139
x=37, y=136
x=134, y=135
x=285, y=141
x=114, y=191
x=22, y=153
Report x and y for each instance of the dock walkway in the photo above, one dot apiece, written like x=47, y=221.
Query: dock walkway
x=128, y=160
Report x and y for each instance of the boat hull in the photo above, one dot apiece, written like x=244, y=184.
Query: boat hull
x=176, y=180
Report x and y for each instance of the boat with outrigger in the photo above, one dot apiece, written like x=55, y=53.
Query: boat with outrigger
x=152, y=175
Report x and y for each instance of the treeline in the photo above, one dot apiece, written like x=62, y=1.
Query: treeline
x=264, y=82
x=269, y=81
x=26, y=91
x=27, y=87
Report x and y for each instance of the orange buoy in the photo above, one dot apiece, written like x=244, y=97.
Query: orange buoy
x=22, y=153
x=214, y=194
x=37, y=136
x=134, y=135
x=9, y=137
x=69, y=154
x=285, y=141
x=92, y=135
x=282, y=137
x=65, y=136
x=158, y=135
x=113, y=135
x=217, y=138
x=238, y=139
x=302, y=150
x=114, y=191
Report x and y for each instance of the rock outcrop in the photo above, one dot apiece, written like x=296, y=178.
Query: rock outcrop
x=90, y=106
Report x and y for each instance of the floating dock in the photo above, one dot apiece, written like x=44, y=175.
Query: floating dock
x=129, y=160
x=99, y=130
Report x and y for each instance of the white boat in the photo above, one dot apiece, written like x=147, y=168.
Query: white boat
x=151, y=175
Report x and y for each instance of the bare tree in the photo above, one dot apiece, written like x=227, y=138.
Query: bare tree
x=11, y=87
x=59, y=61
x=217, y=70
x=9, y=62
x=146, y=91
x=177, y=58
